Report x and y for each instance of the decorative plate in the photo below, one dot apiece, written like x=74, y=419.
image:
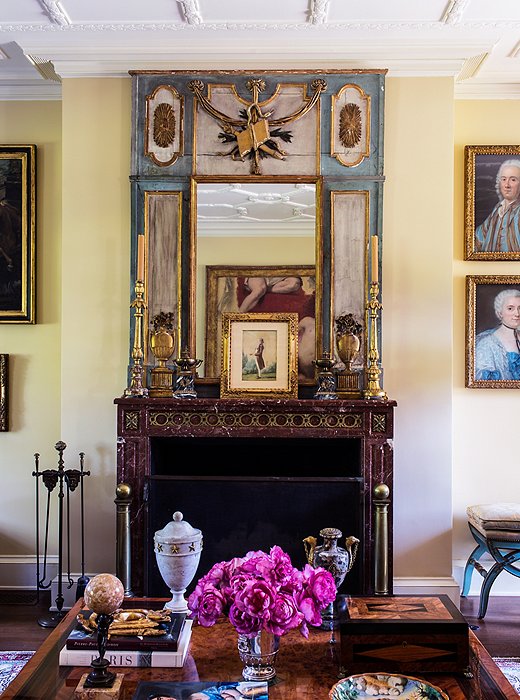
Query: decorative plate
x=383, y=686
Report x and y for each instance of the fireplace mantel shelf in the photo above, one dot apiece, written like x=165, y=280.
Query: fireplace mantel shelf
x=255, y=416
x=345, y=443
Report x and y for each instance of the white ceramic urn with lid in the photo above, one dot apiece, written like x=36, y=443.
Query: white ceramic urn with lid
x=177, y=551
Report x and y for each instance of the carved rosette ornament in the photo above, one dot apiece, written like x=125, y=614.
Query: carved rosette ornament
x=163, y=138
x=252, y=132
x=164, y=125
x=350, y=125
x=350, y=132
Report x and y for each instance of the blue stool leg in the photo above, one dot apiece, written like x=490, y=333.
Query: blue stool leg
x=469, y=568
x=488, y=581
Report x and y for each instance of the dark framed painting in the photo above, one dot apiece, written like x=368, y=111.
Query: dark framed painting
x=261, y=289
x=17, y=233
x=4, y=393
x=493, y=331
x=259, y=355
x=492, y=202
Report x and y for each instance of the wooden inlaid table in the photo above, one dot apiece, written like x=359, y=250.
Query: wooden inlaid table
x=306, y=669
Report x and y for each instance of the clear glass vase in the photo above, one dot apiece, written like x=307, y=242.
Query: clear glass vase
x=259, y=655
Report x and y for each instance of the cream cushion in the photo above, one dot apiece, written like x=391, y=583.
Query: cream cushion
x=496, y=520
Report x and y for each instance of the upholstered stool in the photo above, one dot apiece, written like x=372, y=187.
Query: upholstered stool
x=496, y=530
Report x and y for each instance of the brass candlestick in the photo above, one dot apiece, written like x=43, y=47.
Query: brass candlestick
x=373, y=390
x=136, y=387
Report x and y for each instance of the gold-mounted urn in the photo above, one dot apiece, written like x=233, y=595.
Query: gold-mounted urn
x=162, y=344
x=348, y=344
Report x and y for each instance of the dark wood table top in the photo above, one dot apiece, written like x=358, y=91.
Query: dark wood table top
x=306, y=668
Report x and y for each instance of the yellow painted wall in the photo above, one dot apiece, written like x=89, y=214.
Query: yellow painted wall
x=96, y=293
x=485, y=420
x=417, y=317
x=34, y=350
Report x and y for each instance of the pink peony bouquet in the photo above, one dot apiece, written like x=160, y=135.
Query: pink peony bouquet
x=262, y=591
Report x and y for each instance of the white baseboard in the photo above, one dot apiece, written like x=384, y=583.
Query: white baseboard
x=442, y=585
x=504, y=585
x=20, y=572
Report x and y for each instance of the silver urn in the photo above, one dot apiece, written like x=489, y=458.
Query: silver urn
x=177, y=550
x=331, y=557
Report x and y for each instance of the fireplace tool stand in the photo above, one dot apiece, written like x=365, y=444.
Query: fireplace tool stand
x=66, y=481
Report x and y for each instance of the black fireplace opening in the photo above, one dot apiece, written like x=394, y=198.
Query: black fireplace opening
x=287, y=489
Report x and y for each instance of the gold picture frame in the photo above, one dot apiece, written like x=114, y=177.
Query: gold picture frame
x=484, y=217
x=4, y=393
x=259, y=355
x=17, y=233
x=492, y=331
x=226, y=291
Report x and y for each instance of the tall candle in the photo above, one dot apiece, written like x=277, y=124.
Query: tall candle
x=140, y=257
x=374, y=259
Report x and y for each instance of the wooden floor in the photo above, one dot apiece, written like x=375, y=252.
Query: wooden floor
x=499, y=631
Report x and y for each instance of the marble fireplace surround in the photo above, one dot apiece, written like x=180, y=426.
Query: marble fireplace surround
x=251, y=473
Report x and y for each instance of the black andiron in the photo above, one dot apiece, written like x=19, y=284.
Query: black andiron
x=66, y=481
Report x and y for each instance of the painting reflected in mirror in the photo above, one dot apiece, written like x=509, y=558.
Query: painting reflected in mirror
x=268, y=289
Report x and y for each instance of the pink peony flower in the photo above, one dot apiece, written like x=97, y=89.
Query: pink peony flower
x=262, y=591
x=211, y=605
x=285, y=615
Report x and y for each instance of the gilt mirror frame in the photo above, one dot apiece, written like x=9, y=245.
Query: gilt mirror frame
x=322, y=289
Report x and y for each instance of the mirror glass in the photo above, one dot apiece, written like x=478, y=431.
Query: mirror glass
x=255, y=252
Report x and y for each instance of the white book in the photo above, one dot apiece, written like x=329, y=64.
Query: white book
x=121, y=658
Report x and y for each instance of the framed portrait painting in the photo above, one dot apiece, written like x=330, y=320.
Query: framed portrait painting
x=259, y=355
x=492, y=202
x=4, y=393
x=17, y=233
x=493, y=331
x=262, y=289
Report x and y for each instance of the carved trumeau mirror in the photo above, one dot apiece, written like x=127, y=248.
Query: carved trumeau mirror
x=257, y=191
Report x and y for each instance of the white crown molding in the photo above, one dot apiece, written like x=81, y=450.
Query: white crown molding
x=487, y=91
x=319, y=11
x=191, y=11
x=30, y=91
x=55, y=12
x=435, y=58
x=192, y=25
x=455, y=11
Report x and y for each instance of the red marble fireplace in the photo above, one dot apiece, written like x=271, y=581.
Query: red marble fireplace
x=254, y=473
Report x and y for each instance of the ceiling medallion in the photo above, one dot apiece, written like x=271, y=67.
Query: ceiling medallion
x=252, y=131
x=164, y=125
x=350, y=125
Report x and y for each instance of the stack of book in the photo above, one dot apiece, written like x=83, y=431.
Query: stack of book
x=168, y=650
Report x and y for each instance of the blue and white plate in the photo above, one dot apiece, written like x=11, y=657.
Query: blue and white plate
x=384, y=686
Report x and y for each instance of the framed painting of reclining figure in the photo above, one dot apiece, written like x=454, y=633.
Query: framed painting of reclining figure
x=268, y=289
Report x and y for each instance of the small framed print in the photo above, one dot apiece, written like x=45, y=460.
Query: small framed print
x=259, y=355
x=4, y=393
x=492, y=202
x=493, y=331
